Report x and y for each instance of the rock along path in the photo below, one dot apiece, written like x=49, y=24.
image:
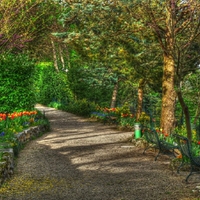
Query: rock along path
x=83, y=160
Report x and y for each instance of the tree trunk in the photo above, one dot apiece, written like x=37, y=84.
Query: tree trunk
x=168, y=94
x=54, y=55
x=186, y=113
x=114, y=95
x=168, y=81
x=61, y=57
x=140, y=98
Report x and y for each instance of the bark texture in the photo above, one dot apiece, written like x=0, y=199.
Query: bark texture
x=168, y=94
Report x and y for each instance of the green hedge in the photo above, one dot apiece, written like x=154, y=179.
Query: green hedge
x=51, y=86
x=16, y=75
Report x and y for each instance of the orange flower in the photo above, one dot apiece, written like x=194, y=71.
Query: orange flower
x=12, y=116
x=124, y=115
x=3, y=116
x=19, y=114
x=179, y=156
x=34, y=112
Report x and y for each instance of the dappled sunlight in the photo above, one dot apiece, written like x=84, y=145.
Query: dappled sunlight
x=81, y=160
x=74, y=135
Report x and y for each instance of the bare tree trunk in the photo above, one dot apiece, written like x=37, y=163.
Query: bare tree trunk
x=54, y=55
x=61, y=57
x=140, y=98
x=114, y=95
x=168, y=94
x=168, y=81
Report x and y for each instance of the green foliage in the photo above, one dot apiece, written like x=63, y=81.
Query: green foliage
x=94, y=84
x=131, y=36
x=144, y=119
x=24, y=24
x=182, y=131
x=127, y=122
x=51, y=86
x=190, y=90
x=54, y=104
x=80, y=107
x=16, y=75
x=123, y=110
x=115, y=46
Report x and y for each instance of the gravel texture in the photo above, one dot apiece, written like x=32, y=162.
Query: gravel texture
x=84, y=160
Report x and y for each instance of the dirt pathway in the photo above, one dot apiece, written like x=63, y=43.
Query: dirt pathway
x=83, y=160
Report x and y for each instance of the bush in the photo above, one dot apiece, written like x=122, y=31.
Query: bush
x=17, y=80
x=80, y=107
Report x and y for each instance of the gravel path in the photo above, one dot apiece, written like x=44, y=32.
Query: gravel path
x=84, y=160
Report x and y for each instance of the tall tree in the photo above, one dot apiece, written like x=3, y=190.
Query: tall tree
x=105, y=31
x=173, y=25
x=176, y=25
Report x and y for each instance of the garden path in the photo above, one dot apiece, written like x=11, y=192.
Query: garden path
x=84, y=160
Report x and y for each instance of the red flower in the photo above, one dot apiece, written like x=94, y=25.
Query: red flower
x=198, y=142
x=166, y=135
x=3, y=116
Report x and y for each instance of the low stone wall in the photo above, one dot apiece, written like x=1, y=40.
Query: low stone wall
x=30, y=133
x=7, y=161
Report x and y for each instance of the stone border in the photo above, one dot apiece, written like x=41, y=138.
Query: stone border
x=7, y=163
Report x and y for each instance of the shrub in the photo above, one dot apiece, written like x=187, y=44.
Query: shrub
x=80, y=107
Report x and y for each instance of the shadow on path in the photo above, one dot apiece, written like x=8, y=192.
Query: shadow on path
x=83, y=160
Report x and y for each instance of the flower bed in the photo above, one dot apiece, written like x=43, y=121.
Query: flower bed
x=123, y=116
x=15, y=130
x=11, y=124
x=8, y=153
